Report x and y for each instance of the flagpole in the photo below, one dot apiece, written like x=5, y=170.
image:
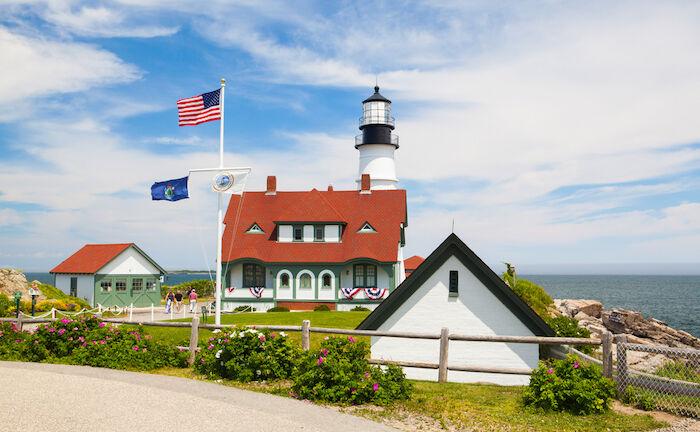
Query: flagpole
x=219, y=223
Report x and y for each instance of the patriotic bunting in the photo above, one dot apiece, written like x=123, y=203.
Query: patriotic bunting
x=349, y=293
x=257, y=291
x=375, y=293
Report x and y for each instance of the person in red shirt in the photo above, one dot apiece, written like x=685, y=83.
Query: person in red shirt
x=193, y=301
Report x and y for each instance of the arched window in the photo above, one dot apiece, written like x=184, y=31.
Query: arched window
x=305, y=281
x=326, y=281
x=284, y=281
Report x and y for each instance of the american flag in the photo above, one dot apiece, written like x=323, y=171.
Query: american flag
x=199, y=109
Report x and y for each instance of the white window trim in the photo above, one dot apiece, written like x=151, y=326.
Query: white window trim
x=320, y=280
x=303, y=272
x=279, y=278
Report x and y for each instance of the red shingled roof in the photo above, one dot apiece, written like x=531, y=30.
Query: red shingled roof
x=413, y=262
x=90, y=258
x=385, y=210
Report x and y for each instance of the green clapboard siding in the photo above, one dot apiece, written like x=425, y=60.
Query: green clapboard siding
x=140, y=298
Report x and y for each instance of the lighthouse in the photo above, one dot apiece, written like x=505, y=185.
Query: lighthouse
x=377, y=143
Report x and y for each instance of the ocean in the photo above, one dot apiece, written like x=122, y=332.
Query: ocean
x=673, y=299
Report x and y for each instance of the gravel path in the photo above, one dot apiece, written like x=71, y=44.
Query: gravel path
x=49, y=397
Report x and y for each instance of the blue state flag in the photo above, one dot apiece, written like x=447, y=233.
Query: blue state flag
x=170, y=190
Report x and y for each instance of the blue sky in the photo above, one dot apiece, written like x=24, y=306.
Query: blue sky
x=560, y=136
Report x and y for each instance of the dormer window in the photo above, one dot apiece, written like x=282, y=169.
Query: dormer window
x=298, y=233
x=319, y=231
x=366, y=228
x=255, y=229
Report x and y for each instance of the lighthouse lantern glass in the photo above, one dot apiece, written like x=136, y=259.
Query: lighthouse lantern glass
x=376, y=112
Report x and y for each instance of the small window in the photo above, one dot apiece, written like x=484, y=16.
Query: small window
x=305, y=281
x=253, y=275
x=137, y=284
x=120, y=285
x=106, y=285
x=326, y=281
x=150, y=284
x=284, y=281
x=366, y=228
x=255, y=229
x=74, y=287
x=298, y=234
x=454, y=283
x=319, y=231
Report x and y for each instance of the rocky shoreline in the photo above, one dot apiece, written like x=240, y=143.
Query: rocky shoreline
x=591, y=315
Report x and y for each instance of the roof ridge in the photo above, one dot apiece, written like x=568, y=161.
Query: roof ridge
x=340, y=216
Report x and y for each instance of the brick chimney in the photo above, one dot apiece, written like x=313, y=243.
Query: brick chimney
x=271, y=185
x=330, y=188
x=365, y=184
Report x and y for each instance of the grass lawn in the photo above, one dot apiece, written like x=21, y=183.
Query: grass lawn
x=454, y=406
x=329, y=319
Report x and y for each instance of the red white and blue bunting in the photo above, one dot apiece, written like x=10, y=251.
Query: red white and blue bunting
x=349, y=293
x=230, y=289
x=375, y=293
x=257, y=291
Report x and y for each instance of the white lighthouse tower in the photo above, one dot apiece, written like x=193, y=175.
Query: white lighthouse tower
x=376, y=143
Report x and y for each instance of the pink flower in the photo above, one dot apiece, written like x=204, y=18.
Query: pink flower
x=17, y=341
x=110, y=329
x=375, y=387
x=262, y=338
x=271, y=336
x=61, y=331
x=51, y=330
x=211, y=346
x=65, y=321
x=367, y=374
x=102, y=324
x=135, y=348
x=549, y=371
x=103, y=342
x=326, y=338
x=70, y=338
x=575, y=364
x=84, y=343
x=351, y=339
x=226, y=340
x=325, y=352
x=75, y=328
x=362, y=380
x=36, y=341
x=320, y=360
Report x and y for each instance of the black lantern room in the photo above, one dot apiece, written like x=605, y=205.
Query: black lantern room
x=376, y=122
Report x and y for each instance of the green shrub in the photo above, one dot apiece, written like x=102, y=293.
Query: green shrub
x=359, y=309
x=247, y=354
x=534, y=295
x=639, y=398
x=677, y=370
x=568, y=385
x=340, y=372
x=52, y=292
x=321, y=308
x=5, y=305
x=568, y=327
x=88, y=342
x=244, y=309
x=278, y=309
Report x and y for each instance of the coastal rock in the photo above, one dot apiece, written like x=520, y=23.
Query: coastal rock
x=639, y=330
x=571, y=307
x=12, y=281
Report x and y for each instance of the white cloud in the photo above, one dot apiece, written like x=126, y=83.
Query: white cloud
x=42, y=66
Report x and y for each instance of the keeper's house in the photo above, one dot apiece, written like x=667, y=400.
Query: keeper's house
x=303, y=249
x=338, y=248
x=455, y=289
x=110, y=274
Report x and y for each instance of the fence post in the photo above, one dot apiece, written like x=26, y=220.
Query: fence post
x=607, y=354
x=19, y=321
x=98, y=315
x=444, y=345
x=99, y=308
x=152, y=313
x=305, y=336
x=194, y=336
x=171, y=311
x=53, y=313
x=622, y=375
x=131, y=312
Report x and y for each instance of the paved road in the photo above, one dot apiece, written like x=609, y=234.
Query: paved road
x=48, y=397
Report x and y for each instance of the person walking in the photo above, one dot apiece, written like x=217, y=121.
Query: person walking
x=169, y=299
x=178, y=301
x=193, y=301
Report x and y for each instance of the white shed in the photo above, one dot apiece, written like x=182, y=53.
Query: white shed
x=454, y=288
